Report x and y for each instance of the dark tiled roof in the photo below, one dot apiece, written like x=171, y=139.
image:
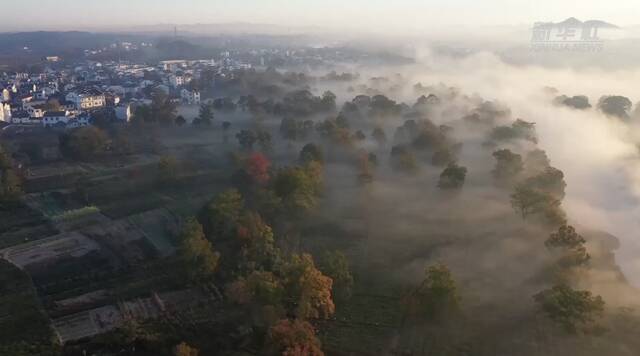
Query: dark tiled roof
x=55, y=113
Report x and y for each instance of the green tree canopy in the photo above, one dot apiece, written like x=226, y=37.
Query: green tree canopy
x=196, y=252
x=220, y=216
x=83, y=143
x=437, y=297
x=336, y=265
x=574, y=310
x=452, y=177
x=310, y=153
x=508, y=166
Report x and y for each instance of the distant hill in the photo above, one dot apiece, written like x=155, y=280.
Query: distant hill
x=43, y=42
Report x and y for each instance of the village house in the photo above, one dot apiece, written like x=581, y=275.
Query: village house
x=87, y=99
x=190, y=97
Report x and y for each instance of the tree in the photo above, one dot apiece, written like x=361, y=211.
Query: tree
x=103, y=118
x=519, y=130
x=261, y=288
x=257, y=242
x=163, y=110
x=342, y=122
x=257, y=167
x=379, y=135
x=180, y=121
x=508, y=166
x=571, y=309
x=206, y=114
x=443, y=157
x=183, y=349
x=168, y=167
x=403, y=160
x=579, y=102
x=264, y=140
x=220, y=216
x=246, y=139
x=310, y=153
x=142, y=114
x=537, y=160
x=615, y=105
x=437, y=297
x=550, y=181
x=569, y=245
x=336, y=266
x=328, y=101
x=196, y=253
x=10, y=182
x=452, y=177
x=290, y=128
x=52, y=105
x=527, y=201
x=365, y=162
x=293, y=338
x=298, y=188
x=83, y=143
x=308, y=289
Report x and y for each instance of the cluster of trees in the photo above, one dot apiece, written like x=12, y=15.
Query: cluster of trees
x=519, y=130
x=269, y=83
x=436, y=299
x=84, y=143
x=371, y=107
x=580, y=102
x=573, y=309
x=616, y=106
x=248, y=138
x=538, y=188
x=279, y=293
x=611, y=105
x=10, y=182
x=343, y=77
x=452, y=177
x=298, y=103
x=424, y=138
x=162, y=110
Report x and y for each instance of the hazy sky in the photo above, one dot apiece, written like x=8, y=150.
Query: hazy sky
x=363, y=14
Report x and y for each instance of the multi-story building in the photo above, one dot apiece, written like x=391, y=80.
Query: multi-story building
x=5, y=112
x=190, y=97
x=87, y=99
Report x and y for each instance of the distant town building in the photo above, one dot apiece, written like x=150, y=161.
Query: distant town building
x=87, y=99
x=190, y=96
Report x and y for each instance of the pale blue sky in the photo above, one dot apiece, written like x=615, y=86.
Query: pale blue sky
x=364, y=14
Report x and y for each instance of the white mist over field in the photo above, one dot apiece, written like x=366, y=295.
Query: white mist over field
x=598, y=154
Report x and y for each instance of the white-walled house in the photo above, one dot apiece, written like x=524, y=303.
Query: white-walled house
x=87, y=99
x=80, y=120
x=5, y=112
x=190, y=97
x=35, y=108
x=124, y=112
x=58, y=118
x=53, y=118
x=21, y=117
x=176, y=80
